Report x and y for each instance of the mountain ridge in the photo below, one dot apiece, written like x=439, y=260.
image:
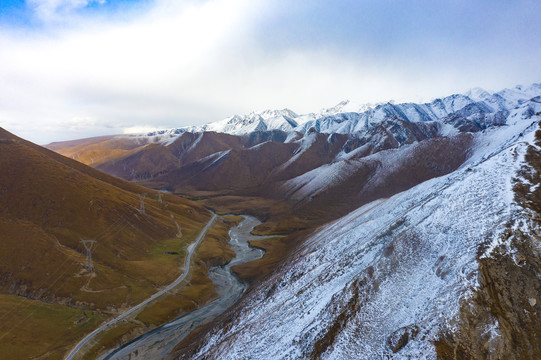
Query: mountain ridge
x=447, y=269
x=374, y=198
x=328, y=120
x=275, y=164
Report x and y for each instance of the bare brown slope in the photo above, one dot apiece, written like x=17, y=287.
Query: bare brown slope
x=294, y=186
x=97, y=150
x=7, y=138
x=248, y=171
x=363, y=180
x=314, y=151
x=262, y=174
x=138, y=158
x=251, y=170
x=143, y=163
x=153, y=160
x=228, y=171
x=72, y=145
x=192, y=147
x=49, y=203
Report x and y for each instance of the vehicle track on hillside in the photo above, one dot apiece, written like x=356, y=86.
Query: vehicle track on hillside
x=160, y=342
x=182, y=277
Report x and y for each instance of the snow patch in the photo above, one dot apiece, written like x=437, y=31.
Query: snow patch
x=416, y=251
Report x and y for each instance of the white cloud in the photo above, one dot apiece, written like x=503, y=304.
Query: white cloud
x=117, y=73
x=189, y=62
x=141, y=129
x=54, y=10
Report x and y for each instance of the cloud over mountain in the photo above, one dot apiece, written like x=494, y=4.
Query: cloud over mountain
x=170, y=63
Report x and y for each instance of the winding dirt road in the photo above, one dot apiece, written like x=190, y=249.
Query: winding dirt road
x=177, y=281
x=160, y=342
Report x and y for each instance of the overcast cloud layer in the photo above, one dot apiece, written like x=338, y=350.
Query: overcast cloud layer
x=79, y=68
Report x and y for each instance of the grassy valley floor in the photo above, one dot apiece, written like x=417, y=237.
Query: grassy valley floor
x=193, y=293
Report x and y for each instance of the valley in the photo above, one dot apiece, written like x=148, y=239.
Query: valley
x=51, y=203
x=270, y=180
x=161, y=341
x=323, y=235
x=141, y=305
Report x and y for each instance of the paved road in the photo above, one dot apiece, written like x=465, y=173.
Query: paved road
x=191, y=250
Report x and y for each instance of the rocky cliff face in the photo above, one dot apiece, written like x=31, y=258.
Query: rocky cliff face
x=502, y=320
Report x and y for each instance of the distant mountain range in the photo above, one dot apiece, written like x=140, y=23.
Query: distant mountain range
x=346, y=118
x=412, y=230
x=448, y=269
x=280, y=156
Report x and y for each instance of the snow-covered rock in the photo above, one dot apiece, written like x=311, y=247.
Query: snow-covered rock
x=387, y=280
x=348, y=118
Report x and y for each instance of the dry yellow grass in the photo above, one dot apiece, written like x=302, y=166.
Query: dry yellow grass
x=33, y=329
x=48, y=207
x=48, y=203
x=195, y=292
x=94, y=151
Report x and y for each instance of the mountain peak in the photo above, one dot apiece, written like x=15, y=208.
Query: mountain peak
x=478, y=94
x=348, y=117
x=269, y=113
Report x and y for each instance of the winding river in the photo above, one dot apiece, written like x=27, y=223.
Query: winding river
x=158, y=343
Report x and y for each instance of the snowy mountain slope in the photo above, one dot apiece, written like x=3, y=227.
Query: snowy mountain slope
x=390, y=278
x=236, y=125
x=346, y=117
x=282, y=168
x=382, y=173
x=474, y=111
x=262, y=121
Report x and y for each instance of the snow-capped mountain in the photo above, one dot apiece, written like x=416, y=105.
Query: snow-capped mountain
x=347, y=118
x=378, y=152
x=419, y=223
x=242, y=124
x=423, y=274
x=285, y=120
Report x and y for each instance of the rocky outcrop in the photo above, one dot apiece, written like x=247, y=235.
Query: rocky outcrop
x=502, y=320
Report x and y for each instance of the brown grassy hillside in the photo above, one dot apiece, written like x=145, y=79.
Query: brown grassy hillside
x=297, y=184
x=148, y=162
x=49, y=203
x=97, y=150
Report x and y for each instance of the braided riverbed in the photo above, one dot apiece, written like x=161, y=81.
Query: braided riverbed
x=158, y=343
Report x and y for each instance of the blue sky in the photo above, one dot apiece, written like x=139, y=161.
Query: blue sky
x=39, y=15
x=79, y=68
